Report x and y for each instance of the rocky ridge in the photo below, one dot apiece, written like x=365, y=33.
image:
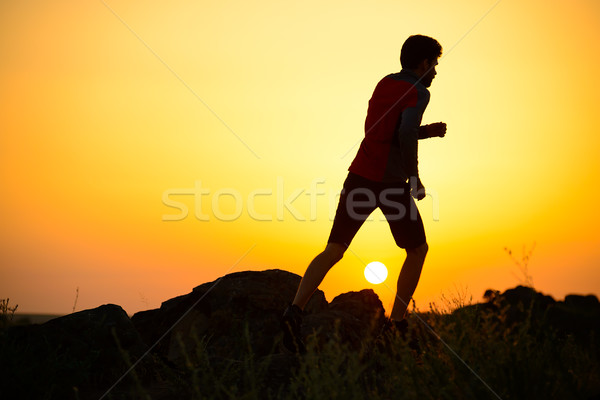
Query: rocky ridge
x=89, y=353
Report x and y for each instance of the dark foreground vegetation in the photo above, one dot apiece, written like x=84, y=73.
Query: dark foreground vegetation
x=222, y=341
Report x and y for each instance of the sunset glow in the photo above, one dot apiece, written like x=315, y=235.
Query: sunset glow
x=147, y=148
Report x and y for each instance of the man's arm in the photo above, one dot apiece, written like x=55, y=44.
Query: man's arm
x=408, y=136
x=408, y=140
x=437, y=129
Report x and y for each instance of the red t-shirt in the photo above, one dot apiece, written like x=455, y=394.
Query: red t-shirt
x=388, y=152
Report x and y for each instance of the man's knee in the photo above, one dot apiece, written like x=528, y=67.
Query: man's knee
x=418, y=252
x=335, y=251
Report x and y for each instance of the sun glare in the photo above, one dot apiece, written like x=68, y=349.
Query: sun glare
x=376, y=272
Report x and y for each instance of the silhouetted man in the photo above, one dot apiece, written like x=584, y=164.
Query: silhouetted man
x=383, y=174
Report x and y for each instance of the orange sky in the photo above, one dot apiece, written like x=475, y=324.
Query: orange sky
x=107, y=107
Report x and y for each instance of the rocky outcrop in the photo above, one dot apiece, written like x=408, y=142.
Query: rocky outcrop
x=577, y=315
x=226, y=325
x=84, y=354
x=242, y=310
x=80, y=355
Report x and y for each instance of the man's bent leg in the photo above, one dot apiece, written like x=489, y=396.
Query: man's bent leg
x=408, y=280
x=316, y=271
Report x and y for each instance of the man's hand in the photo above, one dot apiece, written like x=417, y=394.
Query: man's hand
x=437, y=129
x=417, y=191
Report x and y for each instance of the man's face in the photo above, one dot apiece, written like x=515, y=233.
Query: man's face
x=429, y=72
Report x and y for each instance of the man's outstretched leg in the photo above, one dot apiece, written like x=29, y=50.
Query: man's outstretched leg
x=408, y=280
x=316, y=271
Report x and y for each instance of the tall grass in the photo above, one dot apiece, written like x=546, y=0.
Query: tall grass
x=468, y=353
x=7, y=312
x=464, y=352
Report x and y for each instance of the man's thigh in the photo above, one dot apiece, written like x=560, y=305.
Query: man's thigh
x=357, y=201
x=402, y=215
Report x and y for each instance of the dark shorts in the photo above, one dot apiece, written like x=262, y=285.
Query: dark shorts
x=361, y=196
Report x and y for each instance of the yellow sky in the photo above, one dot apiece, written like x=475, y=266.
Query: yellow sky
x=107, y=107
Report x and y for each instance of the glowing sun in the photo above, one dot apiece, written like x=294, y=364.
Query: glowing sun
x=376, y=272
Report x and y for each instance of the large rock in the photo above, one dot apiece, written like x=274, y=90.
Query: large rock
x=223, y=318
x=577, y=315
x=349, y=318
x=80, y=355
x=241, y=311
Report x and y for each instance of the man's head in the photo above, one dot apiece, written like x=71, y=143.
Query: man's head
x=420, y=54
